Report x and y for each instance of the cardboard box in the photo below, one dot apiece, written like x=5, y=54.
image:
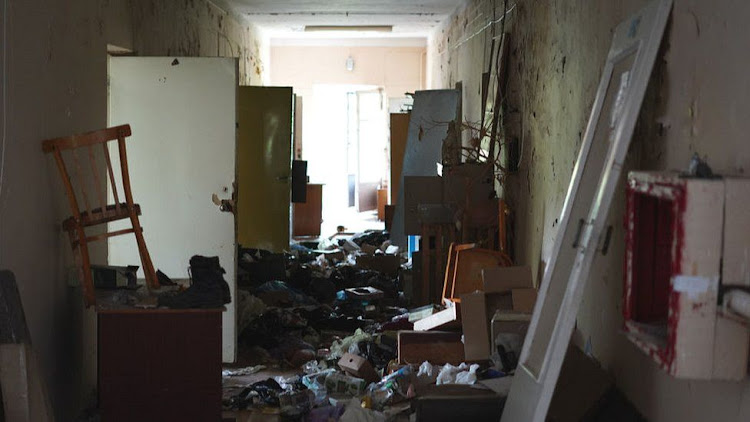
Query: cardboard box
x=338, y=383
x=503, y=279
x=480, y=329
x=475, y=326
x=468, y=269
x=358, y=367
x=437, y=347
x=523, y=300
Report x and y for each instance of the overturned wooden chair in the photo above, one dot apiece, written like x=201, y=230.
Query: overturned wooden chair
x=81, y=219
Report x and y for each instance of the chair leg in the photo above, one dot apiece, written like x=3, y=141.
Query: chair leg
x=148, y=267
x=82, y=255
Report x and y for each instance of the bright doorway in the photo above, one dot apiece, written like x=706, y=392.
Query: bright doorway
x=346, y=146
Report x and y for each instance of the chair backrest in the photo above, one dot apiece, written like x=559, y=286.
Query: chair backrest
x=90, y=141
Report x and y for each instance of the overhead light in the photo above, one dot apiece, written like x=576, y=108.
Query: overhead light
x=349, y=28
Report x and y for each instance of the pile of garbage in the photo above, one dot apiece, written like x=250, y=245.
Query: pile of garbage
x=331, y=313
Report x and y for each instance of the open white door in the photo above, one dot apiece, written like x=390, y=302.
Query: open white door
x=610, y=127
x=183, y=115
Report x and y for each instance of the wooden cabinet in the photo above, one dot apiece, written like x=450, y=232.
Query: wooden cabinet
x=307, y=216
x=399, y=134
x=160, y=365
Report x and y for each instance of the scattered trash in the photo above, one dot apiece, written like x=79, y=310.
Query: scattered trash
x=249, y=370
x=392, y=389
x=462, y=374
x=340, y=347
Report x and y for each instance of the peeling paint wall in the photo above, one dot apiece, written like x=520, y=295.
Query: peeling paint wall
x=197, y=28
x=56, y=85
x=698, y=101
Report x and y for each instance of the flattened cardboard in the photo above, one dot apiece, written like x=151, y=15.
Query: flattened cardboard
x=475, y=326
x=503, y=279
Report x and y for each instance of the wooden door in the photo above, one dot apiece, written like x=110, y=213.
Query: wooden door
x=264, y=167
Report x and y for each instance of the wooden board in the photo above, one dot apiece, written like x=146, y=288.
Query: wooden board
x=308, y=216
x=163, y=365
x=447, y=318
x=437, y=347
x=399, y=133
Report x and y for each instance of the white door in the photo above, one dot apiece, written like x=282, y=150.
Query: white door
x=182, y=112
x=634, y=47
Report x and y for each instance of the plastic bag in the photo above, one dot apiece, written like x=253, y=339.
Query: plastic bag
x=392, y=389
x=427, y=373
x=468, y=377
x=317, y=384
x=338, y=348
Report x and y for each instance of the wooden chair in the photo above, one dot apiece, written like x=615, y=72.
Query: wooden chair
x=105, y=213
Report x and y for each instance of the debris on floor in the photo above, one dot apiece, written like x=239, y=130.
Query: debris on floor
x=338, y=336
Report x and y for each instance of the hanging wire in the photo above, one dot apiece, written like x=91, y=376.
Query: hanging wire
x=484, y=28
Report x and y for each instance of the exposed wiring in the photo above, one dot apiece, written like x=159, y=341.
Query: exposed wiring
x=484, y=28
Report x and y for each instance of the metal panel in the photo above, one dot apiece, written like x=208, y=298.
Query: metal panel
x=428, y=125
x=610, y=127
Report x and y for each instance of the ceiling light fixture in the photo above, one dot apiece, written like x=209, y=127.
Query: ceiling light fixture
x=349, y=28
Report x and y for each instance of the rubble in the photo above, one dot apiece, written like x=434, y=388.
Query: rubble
x=338, y=324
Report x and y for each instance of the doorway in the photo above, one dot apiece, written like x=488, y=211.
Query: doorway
x=346, y=146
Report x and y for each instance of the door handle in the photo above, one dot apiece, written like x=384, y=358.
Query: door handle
x=284, y=179
x=225, y=205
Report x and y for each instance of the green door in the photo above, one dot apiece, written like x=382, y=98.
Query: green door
x=264, y=154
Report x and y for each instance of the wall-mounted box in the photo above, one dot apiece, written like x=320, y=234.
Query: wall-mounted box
x=676, y=231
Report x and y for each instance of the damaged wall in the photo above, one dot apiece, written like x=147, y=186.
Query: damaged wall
x=197, y=28
x=697, y=102
x=56, y=78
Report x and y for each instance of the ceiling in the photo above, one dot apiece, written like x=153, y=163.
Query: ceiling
x=288, y=18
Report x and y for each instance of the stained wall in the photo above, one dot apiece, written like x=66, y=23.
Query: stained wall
x=698, y=101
